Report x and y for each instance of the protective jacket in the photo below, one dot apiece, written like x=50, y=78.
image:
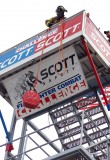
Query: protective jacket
x=60, y=15
x=52, y=21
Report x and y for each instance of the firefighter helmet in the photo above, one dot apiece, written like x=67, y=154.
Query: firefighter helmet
x=61, y=8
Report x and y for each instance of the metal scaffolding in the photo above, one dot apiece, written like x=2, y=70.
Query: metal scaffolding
x=76, y=127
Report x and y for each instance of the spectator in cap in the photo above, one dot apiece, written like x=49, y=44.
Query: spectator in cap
x=59, y=16
x=107, y=34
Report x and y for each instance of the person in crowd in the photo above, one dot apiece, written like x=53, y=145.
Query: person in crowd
x=107, y=33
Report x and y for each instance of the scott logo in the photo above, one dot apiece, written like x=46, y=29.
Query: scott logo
x=100, y=45
x=58, y=67
x=57, y=37
x=16, y=58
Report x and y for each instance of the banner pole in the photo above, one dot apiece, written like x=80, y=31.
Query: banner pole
x=9, y=146
x=5, y=128
x=95, y=72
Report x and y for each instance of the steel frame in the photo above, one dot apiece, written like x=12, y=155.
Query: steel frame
x=81, y=116
x=83, y=140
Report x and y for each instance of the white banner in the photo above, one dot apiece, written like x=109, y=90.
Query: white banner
x=60, y=77
x=98, y=42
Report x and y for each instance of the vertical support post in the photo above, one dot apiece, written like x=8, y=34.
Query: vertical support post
x=108, y=158
x=5, y=128
x=82, y=126
x=13, y=124
x=12, y=129
x=24, y=147
x=22, y=140
x=9, y=146
x=95, y=72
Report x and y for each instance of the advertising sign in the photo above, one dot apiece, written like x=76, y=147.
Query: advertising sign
x=33, y=47
x=98, y=42
x=58, y=79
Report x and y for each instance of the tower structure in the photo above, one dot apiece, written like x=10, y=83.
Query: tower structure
x=70, y=63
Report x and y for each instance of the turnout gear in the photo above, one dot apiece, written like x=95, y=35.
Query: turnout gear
x=60, y=15
x=51, y=21
x=61, y=8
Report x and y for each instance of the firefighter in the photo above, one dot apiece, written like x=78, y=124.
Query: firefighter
x=59, y=16
x=108, y=35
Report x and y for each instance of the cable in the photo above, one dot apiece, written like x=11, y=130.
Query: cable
x=61, y=50
x=39, y=64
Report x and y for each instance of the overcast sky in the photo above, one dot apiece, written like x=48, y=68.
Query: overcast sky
x=22, y=19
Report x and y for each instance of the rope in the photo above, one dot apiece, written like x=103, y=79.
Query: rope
x=39, y=64
x=61, y=48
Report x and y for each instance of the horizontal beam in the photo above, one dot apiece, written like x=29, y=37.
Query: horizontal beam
x=35, y=128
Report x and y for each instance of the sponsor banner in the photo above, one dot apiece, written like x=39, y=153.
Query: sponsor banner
x=88, y=101
x=34, y=45
x=58, y=79
x=98, y=42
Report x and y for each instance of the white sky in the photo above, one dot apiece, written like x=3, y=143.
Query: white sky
x=22, y=19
